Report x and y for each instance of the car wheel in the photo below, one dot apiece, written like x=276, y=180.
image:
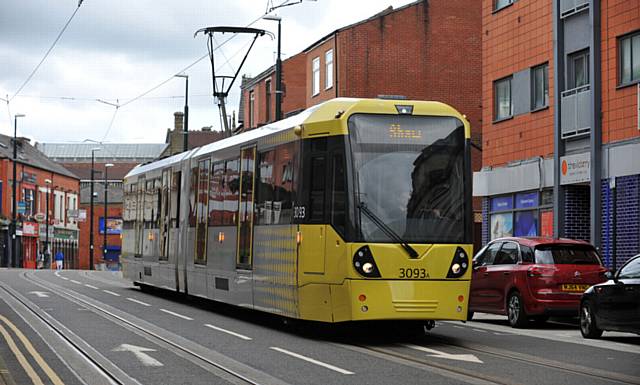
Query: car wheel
x=515, y=311
x=588, y=326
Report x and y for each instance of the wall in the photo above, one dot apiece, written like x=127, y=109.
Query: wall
x=514, y=39
x=619, y=105
x=626, y=225
x=113, y=210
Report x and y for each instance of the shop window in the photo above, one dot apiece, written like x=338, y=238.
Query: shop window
x=523, y=214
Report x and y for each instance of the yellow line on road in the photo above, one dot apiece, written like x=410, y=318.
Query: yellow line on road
x=34, y=353
x=21, y=358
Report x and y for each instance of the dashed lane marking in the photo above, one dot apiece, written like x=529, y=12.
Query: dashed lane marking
x=177, y=315
x=76, y=282
x=138, y=302
x=228, y=332
x=112, y=293
x=311, y=360
x=90, y=286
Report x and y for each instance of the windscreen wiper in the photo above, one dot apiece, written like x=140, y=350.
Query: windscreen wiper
x=388, y=230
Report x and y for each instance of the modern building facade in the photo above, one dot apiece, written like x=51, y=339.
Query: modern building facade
x=121, y=158
x=561, y=130
x=47, y=197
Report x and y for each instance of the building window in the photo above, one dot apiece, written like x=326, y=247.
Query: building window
x=328, y=60
x=252, y=99
x=29, y=199
x=499, y=4
x=629, y=58
x=502, y=96
x=540, y=86
x=524, y=214
x=267, y=98
x=578, y=71
x=315, y=70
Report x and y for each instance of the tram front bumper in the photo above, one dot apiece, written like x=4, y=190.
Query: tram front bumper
x=406, y=299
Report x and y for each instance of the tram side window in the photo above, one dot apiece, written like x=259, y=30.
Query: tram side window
x=232, y=192
x=338, y=196
x=175, y=199
x=265, y=189
x=202, y=212
x=286, y=157
x=317, y=192
x=148, y=204
x=193, y=188
x=157, y=202
x=216, y=194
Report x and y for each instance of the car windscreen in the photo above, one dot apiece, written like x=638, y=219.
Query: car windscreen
x=566, y=255
x=631, y=270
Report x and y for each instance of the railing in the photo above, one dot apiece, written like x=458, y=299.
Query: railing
x=570, y=7
x=575, y=112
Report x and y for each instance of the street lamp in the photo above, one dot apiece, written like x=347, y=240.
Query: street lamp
x=46, y=218
x=14, y=256
x=185, y=126
x=93, y=152
x=278, y=69
x=106, y=189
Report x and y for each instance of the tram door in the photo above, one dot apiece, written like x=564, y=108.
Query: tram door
x=165, y=211
x=245, y=212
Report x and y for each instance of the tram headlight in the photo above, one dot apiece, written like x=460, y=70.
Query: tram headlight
x=364, y=263
x=459, y=264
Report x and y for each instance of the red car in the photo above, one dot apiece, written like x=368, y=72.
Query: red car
x=533, y=278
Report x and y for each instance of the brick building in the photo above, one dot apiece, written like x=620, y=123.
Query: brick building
x=123, y=157
x=426, y=50
x=561, y=139
x=41, y=184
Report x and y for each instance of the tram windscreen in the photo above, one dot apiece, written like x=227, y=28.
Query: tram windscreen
x=410, y=172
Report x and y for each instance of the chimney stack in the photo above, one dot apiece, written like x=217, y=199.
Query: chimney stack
x=178, y=121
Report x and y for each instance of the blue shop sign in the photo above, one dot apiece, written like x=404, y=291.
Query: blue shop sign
x=502, y=203
x=527, y=200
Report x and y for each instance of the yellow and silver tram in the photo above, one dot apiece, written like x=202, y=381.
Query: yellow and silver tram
x=355, y=209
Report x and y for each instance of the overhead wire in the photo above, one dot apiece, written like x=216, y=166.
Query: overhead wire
x=48, y=51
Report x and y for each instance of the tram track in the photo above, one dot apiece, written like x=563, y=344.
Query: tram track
x=405, y=356
x=217, y=364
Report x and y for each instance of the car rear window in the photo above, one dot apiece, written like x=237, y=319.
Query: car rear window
x=566, y=255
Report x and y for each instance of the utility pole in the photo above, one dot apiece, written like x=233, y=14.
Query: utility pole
x=185, y=126
x=93, y=151
x=14, y=249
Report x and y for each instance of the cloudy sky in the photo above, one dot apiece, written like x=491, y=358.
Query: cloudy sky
x=116, y=50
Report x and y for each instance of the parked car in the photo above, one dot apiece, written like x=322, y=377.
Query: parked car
x=533, y=278
x=613, y=305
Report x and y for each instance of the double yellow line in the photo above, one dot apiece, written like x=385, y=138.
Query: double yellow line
x=22, y=359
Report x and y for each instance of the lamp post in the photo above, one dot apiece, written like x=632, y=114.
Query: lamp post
x=14, y=255
x=93, y=152
x=278, y=69
x=106, y=189
x=185, y=126
x=47, y=263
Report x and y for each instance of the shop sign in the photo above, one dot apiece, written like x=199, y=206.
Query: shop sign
x=527, y=200
x=61, y=233
x=502, y=203
x=30, y=229
x=575, y=168
x=114, y=225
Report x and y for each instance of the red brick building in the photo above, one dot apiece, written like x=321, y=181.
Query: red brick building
x=41, y=184
x=561, y=131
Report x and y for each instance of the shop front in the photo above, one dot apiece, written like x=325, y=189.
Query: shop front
x=30, y=234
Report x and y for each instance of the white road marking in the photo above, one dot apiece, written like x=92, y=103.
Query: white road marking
x=479, y=330
x=40, y=294
x=325, y=365
x=136, y=301
x=448, y=356
x=458, y=327
x=176, y=314
x=140, y=354
x=112, y=293
x=65, y=278
x=229, y=332
x=91, y=286
x=76, y=282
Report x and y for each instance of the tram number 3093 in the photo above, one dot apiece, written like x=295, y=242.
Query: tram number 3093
x=413, y=273
x=299, y=212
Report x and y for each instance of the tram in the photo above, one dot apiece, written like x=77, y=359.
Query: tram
x=354, y=209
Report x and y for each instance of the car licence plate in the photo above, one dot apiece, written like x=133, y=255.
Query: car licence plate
x=574, y=287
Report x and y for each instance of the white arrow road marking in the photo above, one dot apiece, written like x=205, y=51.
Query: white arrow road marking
x=140, y=354
x=448, y=356
x=40, y=294
x=320, y=363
